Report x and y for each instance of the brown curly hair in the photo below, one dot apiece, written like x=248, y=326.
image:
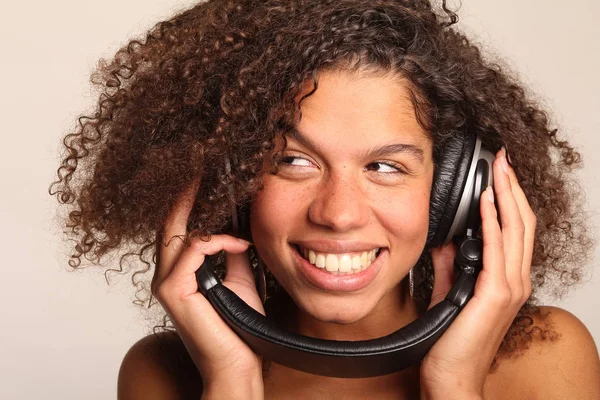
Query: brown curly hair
x=220, y=80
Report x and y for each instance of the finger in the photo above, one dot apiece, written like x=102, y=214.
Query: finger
x=492, y=278
x=238, y=269
x=170, y=245
x=443, y=272
x=240, y=279
x=182, y=278
x=512, y=224
x=530, y=222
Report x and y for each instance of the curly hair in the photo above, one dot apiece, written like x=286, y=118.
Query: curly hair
x=221, y=80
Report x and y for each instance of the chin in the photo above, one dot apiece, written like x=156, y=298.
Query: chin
x=335, y=309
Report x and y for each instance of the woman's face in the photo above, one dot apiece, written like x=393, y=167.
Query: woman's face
x=347, y=215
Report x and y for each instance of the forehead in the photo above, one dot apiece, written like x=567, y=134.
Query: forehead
x=363, y=107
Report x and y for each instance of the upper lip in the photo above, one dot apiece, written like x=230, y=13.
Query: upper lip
x=337, y=246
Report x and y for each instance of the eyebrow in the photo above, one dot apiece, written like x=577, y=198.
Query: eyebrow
x=379, y=151
x=410, y=149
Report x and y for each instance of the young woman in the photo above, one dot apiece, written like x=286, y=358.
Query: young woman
x=321, y=125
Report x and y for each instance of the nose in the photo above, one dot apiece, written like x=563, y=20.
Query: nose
x=339, y=205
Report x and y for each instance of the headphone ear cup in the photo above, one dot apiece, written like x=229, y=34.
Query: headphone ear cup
x=448, y=185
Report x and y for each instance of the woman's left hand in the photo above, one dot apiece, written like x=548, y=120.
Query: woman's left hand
x=457, y=365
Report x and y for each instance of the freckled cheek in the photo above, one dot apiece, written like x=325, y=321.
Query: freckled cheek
x=407, y=218
x=276, y=213
x=275, y=210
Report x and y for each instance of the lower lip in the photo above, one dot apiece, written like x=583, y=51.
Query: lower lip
x=339, y=283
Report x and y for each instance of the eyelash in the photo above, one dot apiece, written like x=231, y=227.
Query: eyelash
x=397, y=167
x=287, y=160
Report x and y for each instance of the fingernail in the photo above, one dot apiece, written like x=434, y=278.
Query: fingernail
x=507, y=155
x=490, y=194
x=504, y=164
x=247, y=243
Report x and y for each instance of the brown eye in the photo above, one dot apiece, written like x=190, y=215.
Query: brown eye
x=385, y=167
x=295, y=161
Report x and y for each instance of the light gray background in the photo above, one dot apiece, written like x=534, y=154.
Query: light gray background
x=64, y=334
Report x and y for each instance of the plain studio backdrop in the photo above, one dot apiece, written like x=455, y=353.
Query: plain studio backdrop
x=64, y=334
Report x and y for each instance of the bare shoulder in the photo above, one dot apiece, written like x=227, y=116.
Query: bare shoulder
x=158, y=367
x=561, y=362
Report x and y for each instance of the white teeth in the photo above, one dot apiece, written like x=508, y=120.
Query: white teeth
x=340, y=263
x=331, y=263
x=364, y=261
x=312, y=256
x=345, y=263
x=320, y=261
x=356, y=262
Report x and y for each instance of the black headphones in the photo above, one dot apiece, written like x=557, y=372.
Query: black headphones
x=464, y=171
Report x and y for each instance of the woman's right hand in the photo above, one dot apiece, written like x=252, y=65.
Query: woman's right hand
x=219, y=354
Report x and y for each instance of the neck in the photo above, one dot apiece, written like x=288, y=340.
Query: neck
x=281, y=382
x=393, y=312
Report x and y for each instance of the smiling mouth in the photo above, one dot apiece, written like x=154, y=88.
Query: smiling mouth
x=339, y=264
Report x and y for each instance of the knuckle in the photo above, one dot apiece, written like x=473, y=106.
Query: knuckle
x=519, y=227
x=198, y=245
x=162, y=292
x=501, y=297
x=517, y=296
x=492, y=244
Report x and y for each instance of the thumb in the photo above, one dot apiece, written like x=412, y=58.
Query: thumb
x=239, y=278
x=443, y=272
